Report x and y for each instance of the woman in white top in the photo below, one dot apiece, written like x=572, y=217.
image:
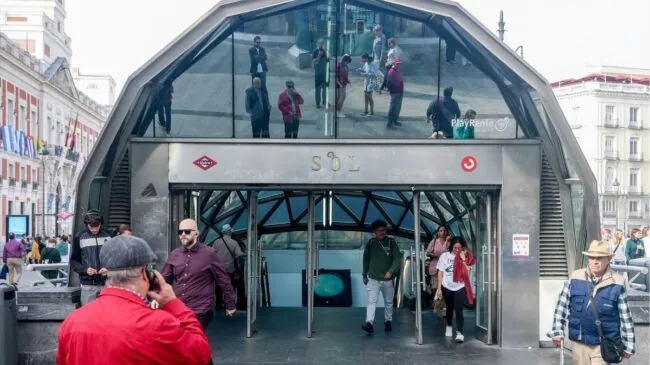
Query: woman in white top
x=369, y=72
x=453, y=292
x=394, y=52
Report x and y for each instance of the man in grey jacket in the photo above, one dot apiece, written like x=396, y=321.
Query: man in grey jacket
x=228, y=250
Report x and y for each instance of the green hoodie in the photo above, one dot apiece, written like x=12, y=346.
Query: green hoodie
x=632, y=250
x=380, y=258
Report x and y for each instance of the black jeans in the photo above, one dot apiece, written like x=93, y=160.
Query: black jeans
x=455, y=301
x=205, y=319
x=291, y=130
x=240, y=294
x=261, y=128
x=321, y=91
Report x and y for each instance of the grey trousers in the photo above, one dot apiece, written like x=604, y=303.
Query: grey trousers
x=395, y=107
x=89, y=293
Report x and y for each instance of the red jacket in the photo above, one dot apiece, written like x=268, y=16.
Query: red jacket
x=284, y=104
x=119, y=328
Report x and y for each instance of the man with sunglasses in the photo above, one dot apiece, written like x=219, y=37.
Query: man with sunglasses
x=195, y=268
x=84, y=259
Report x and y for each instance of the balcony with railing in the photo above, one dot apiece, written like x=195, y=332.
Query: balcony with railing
x=635, y=190
x=23, y=184
x=609, y=214
x=635, y=124
x=634, y=214
x=611, y=123
x=637, y=157
x=12, y=181
x=611, y=155
x=35, y=185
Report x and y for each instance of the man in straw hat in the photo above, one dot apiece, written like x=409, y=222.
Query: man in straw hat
x=575, y=308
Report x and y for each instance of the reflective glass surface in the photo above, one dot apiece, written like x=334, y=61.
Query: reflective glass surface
x=334, y=69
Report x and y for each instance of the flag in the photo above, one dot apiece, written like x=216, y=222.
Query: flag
x=39, y=145
x=73, y=133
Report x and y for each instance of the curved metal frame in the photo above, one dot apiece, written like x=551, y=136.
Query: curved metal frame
x=220, y=207
x=227, y=14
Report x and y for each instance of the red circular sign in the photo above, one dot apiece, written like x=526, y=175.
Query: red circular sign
x=469, y=163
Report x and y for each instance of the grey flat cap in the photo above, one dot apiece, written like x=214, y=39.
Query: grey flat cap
x=124, y=252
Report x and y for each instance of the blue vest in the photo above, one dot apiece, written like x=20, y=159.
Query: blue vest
x=582, y=324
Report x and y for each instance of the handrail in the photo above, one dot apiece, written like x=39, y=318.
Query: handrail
x=638, y=269
x=266, y=290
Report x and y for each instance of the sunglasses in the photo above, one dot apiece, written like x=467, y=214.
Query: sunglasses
x=186, y=232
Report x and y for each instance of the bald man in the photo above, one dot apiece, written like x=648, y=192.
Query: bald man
x=194, y=269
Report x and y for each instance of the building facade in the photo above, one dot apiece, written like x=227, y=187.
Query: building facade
x=48, y=129
x=609, y=112
x=100, y=87
x=37, y=26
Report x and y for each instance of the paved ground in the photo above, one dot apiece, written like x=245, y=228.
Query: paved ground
x=339, y=340
x=203, y=101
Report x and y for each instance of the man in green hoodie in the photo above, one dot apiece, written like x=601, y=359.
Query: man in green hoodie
x=381, y=261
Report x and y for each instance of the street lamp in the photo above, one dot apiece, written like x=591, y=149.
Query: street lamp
x=617, y=188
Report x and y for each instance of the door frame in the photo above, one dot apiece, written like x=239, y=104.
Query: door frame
x=254, y=254
x=490, y=283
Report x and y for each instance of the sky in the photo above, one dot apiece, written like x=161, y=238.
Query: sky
x=560, y=37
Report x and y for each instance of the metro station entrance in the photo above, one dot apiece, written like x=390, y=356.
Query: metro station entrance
x=304, y=247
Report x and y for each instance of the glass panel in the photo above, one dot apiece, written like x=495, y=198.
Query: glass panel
x=482, y=255
x=198, y=103
x=373, y=214
x=340, y=216
x=279, y=216
x=365, y=102
x=295, y=46
x=470, y=104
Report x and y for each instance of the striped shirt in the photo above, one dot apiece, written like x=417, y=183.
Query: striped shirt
x=562, y=313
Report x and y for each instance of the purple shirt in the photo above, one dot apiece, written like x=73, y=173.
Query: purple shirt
x=194, y=273
x=13, y=250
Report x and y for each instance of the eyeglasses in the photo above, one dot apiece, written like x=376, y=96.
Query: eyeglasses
x=186, y=232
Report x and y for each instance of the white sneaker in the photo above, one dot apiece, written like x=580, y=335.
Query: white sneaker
x=449, y=332
x=459, y=337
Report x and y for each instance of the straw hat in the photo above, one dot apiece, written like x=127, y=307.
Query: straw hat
x=598, y=249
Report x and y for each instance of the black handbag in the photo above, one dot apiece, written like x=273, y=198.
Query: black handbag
x=239, y=261
x=611, y=350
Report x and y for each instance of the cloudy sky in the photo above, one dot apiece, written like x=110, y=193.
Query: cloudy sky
x=560, y=37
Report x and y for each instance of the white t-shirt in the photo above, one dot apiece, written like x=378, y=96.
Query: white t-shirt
x=446, y=265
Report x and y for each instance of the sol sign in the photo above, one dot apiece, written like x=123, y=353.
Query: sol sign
x=468, y=163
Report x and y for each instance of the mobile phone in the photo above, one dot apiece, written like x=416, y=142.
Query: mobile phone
x=151, y=275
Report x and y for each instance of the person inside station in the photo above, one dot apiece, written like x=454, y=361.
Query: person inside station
x=136, y=319
x=454, y=284
x=85, y=256
x=381, y=262
x=195, y=269
x=258, y=57
x=594, y=304
x=438, y=245
x=231, y=255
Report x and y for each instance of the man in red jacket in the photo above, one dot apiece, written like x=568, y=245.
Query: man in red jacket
x=129, y=323
x=289, y=103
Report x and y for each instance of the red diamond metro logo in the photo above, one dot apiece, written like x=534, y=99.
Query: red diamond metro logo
x=205, y=163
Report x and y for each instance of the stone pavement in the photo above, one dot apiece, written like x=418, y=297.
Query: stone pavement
x=203, y=101
x=338, y=339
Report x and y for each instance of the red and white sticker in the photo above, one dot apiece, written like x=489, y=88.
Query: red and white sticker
x=205, y=163
x=469, y=163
